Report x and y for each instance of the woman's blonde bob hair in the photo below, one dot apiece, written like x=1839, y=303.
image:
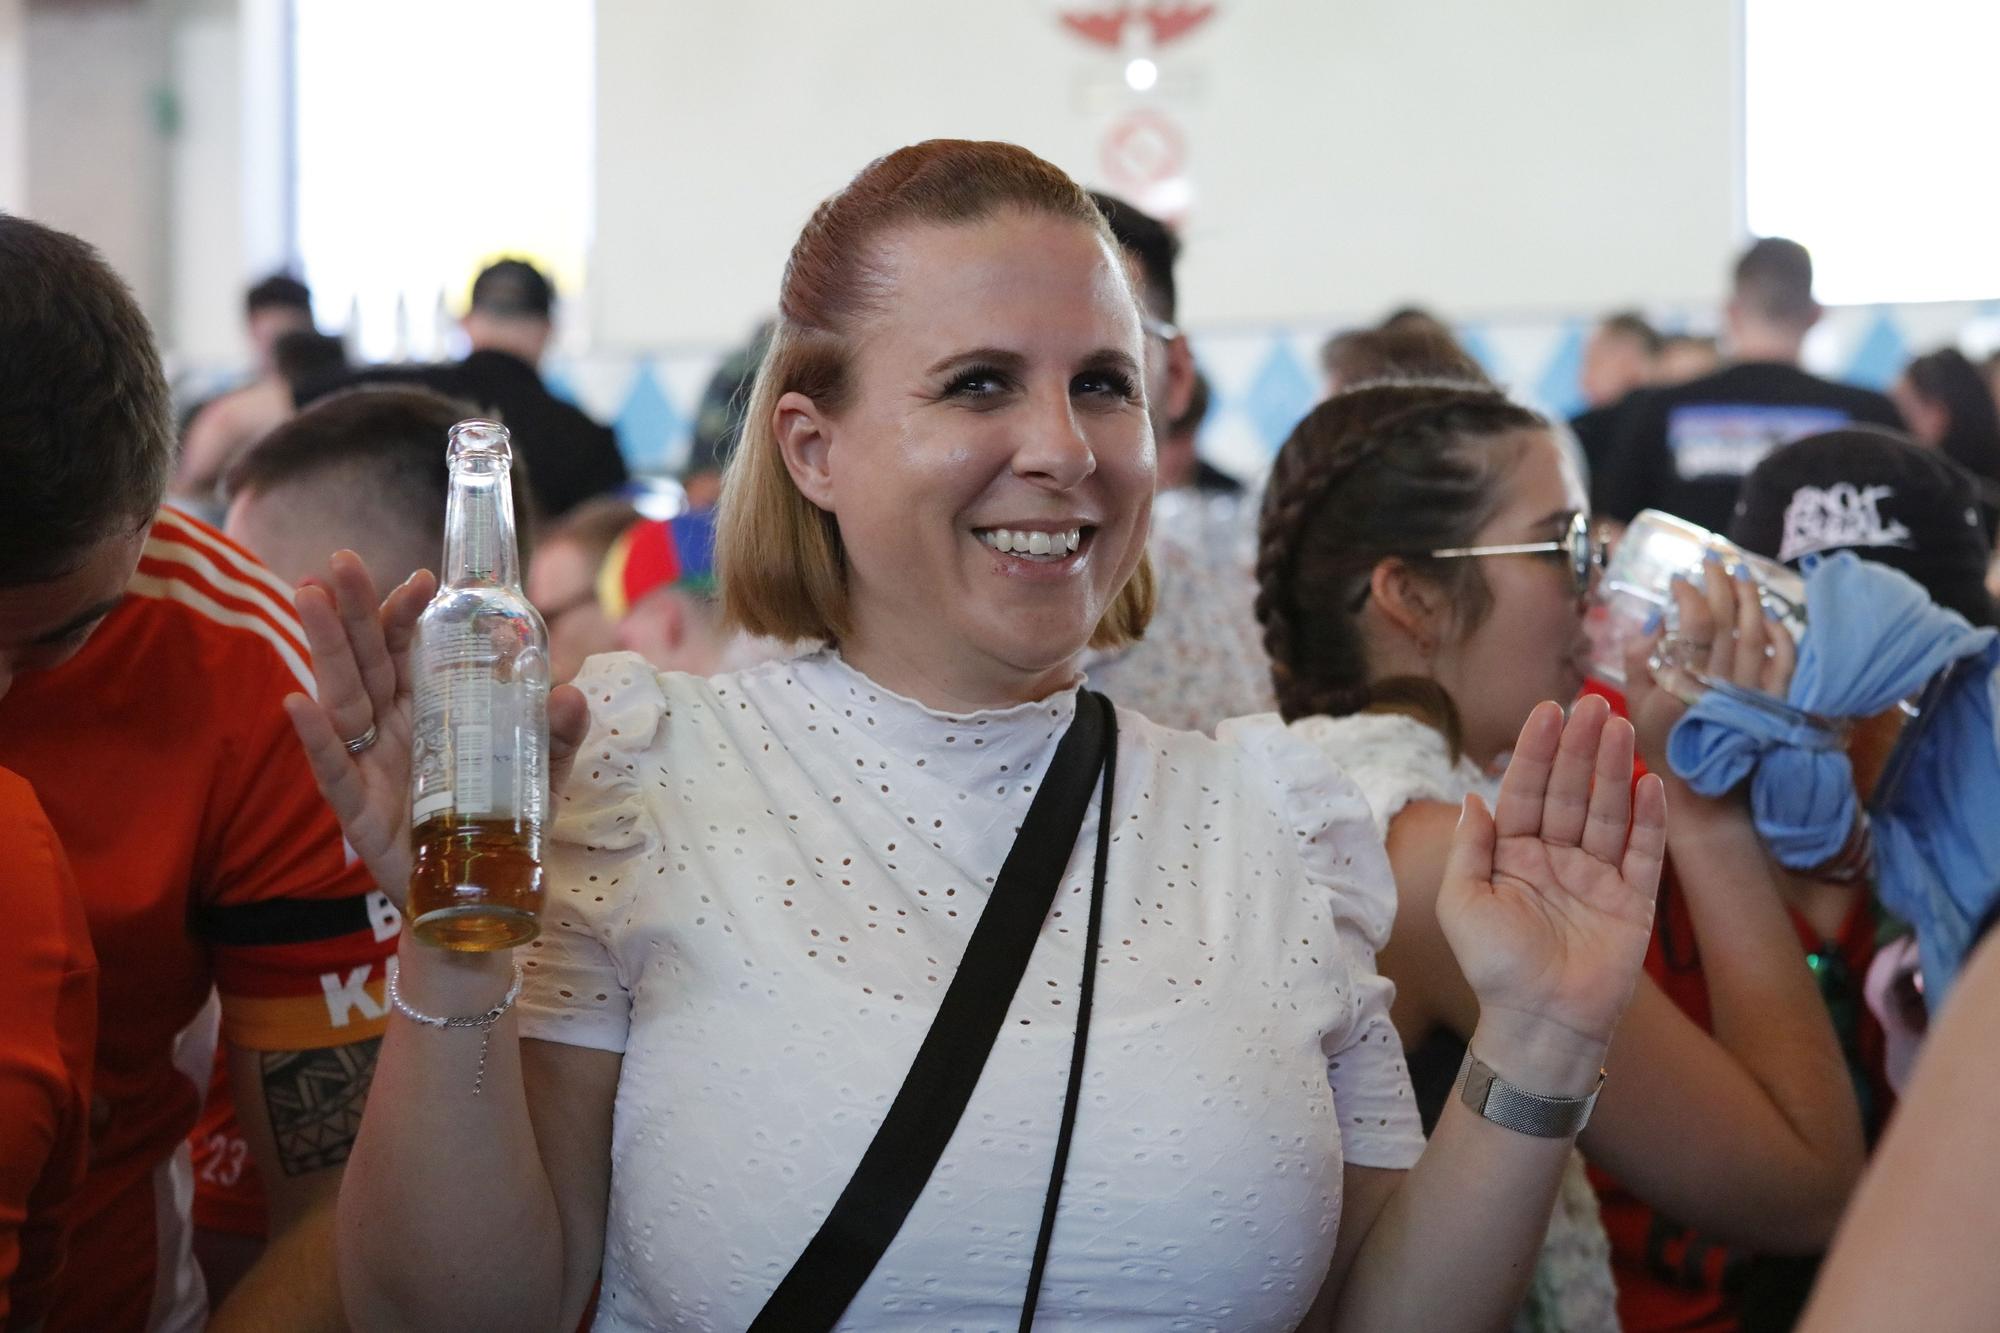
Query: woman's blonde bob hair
x=779, y=558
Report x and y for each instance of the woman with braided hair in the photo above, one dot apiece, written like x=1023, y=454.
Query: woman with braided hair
x=1422, y=570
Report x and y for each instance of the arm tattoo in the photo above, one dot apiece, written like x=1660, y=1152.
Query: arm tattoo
x=315, y=1099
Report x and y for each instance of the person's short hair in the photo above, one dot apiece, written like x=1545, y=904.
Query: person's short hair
x=381, y=447
x=593, y=526
x=1199, y=394
x=782, y=567
x=86, y=424
x=1774, y=280
x=1635, y=326
x=280, y=291
x=308, y=355
x=1411, y=350
x=1412, y=317
x=513, y=289
x=1152, y=243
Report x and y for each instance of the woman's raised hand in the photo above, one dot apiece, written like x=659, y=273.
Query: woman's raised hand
x=361, y=661
x=1547, y=901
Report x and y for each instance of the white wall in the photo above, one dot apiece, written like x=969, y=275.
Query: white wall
x=155, y=129
x=95, y=160
x=1528, y=156
x=13, y=105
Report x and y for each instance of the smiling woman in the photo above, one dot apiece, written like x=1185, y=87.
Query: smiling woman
x=876, y=471
x=907, y=983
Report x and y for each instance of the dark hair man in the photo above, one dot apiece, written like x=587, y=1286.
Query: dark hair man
x=1151, y=251
x=509, y=324
x=1202, y=659
x=1620, y=356
x=1685, y=449
x=278, y=305
x=143, y=664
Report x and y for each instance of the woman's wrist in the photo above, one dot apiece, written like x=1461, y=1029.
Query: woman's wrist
x=446, y=982
x=1537, y=1055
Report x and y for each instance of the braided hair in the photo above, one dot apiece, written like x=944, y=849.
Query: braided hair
x=1387, y=469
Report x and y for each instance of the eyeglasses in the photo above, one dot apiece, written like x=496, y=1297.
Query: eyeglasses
x=1586, y=552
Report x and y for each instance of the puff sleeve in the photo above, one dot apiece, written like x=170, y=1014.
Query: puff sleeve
x=576, y=991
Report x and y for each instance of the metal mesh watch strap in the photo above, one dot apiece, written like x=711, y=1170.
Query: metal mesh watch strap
x=1495, y=1099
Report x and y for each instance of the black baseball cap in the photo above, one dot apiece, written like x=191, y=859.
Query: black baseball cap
x=513, y=287
x=1880, y=495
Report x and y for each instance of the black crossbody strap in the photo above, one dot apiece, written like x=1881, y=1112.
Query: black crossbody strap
x=1084, y=994
x=919, y=1124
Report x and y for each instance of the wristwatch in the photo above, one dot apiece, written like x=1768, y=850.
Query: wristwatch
x=1497, y=1100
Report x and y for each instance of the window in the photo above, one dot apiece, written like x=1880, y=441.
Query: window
x=431, y=139
x=1869, y=136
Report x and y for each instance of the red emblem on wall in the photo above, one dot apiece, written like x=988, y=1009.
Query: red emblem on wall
x=1167, y=23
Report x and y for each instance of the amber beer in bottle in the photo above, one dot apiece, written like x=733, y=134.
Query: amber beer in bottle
x=479, y=763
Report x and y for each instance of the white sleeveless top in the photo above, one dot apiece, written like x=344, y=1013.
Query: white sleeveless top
x=760, y=886
x=1396, y=760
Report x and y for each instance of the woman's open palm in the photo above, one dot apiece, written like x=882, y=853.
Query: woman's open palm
x=1547, y=901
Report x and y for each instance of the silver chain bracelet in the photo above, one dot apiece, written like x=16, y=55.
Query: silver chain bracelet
x=484, y=1022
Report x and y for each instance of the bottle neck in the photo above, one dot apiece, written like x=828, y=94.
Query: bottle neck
x=479, y=545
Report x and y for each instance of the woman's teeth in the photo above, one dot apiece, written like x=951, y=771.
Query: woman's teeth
x=1034, y=545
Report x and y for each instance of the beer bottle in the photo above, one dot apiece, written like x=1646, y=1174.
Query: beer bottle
x=479, y=764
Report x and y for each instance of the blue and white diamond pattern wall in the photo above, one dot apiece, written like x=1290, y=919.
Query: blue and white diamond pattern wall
x=1263, y=380
x=1279, y=395
x=650, y=428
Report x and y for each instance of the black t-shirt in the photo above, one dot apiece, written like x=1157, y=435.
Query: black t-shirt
x=569, y=457
x=1595, y=429
x=1686, y=449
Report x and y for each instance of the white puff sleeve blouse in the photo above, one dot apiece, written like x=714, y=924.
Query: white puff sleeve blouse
x=760, y=886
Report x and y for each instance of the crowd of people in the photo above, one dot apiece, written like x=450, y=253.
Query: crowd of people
x=1004, y=864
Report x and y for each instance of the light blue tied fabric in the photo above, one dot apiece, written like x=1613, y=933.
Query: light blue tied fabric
x=1874, y=638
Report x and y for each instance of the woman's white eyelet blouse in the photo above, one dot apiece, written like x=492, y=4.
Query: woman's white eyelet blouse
x=760, y=886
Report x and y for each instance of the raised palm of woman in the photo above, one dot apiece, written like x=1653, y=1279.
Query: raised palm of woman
x=361, y=662
x=1547, y=901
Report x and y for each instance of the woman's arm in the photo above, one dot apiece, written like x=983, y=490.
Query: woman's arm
x=454, y=1211
x=466, y=1209
x=1917, y=1248
x=1753, y=1135
x=1547, y=904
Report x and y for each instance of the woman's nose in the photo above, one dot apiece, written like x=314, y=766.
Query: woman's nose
x=1055, y=448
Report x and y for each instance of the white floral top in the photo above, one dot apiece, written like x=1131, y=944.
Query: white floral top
x=1395, y=760
x=760, y=886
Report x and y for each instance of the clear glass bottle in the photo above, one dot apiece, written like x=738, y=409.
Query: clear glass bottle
x=480, y=677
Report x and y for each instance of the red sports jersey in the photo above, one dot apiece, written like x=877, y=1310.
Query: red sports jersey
x=206, y=859
x=228, y=1191
x=48, y=1025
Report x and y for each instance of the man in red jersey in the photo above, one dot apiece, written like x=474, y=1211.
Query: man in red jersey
x=48, y=997
x=143, y=661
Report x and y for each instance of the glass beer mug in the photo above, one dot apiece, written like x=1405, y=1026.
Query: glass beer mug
x=479, y=770
x=1637, y=586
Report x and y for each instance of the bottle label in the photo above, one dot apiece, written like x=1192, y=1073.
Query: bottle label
x=452, y=755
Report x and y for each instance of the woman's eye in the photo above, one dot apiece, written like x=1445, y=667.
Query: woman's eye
x=1108, y=384
x=978, y=382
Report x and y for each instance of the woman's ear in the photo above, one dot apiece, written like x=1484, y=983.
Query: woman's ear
x=1409, y=602
x=805, y=441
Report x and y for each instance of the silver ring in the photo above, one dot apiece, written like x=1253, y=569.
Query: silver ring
x=361, y=742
